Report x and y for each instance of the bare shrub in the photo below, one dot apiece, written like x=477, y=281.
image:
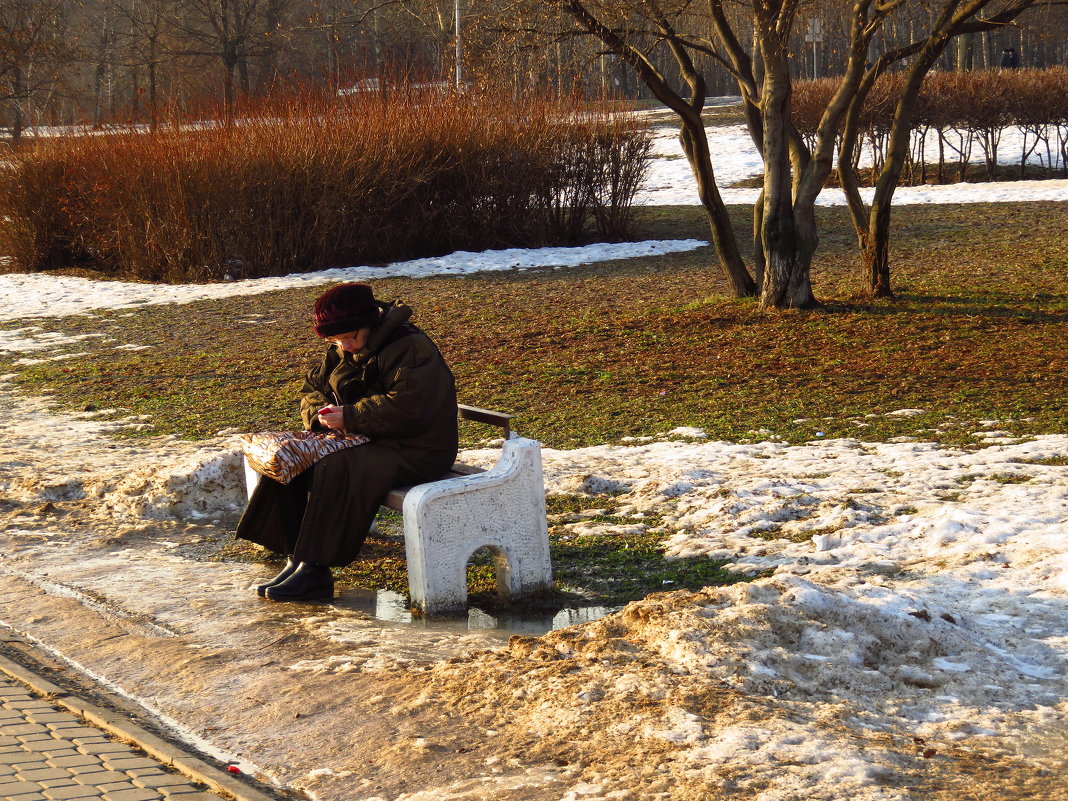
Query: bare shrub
x=807, y=103
x=34, y=196
x=301, y=183
x=966, y=112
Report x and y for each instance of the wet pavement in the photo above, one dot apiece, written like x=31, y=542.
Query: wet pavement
x=49, y=753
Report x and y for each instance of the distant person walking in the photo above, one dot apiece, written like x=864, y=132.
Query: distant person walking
x=1010, y=60
x=381, y=377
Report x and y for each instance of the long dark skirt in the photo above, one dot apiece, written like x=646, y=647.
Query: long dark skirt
x=323, y=515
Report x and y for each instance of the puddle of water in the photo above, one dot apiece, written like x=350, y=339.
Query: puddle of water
x=391, y=607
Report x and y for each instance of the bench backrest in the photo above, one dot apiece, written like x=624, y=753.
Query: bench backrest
x=499, y=419
x=395, y=499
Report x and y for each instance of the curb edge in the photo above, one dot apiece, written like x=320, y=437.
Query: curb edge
x=185, y=762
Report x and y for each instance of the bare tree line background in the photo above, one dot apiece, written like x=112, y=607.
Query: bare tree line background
x=101, y=61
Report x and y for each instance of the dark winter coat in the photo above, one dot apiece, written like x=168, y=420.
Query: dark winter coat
x=400, y=392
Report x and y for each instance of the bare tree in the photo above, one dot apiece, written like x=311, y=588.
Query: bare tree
x=872, y=222
x=33, y=53
x=99, y=42
x=753, y=42
x=147, y=41
x=235, y=33
x=359, y=37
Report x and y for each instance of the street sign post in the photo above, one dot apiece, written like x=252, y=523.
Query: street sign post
x=815, y=36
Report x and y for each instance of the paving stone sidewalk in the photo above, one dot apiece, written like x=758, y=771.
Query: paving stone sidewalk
x=47, y=754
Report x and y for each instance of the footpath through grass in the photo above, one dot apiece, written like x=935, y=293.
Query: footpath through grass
x=593, y=354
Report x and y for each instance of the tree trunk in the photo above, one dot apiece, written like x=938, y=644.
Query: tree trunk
x=246, y=80
x=153, y=100
x=788, y=241
x=759, y=261
x=229, y=84
x=787, y=238
x=695, y=146
x=875, y=252
x=153, y=80
x=272, y=34
x=135, y=96
x=18, y=122
x=98, y=94
x=333, y=60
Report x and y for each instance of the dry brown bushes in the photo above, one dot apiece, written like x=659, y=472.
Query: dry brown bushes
x=306, y=183
x=962, y=116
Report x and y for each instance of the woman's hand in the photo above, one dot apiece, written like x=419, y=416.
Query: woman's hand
x=332, y=417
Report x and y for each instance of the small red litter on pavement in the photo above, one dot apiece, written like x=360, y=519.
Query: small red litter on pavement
x=233, y=768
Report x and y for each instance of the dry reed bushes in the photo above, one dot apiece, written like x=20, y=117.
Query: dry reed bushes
x=962, y=114
x=303, y=184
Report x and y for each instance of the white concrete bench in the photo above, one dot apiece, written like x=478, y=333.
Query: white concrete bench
x=447, y=520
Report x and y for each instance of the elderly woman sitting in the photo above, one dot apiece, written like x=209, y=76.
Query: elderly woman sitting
x=380, y=376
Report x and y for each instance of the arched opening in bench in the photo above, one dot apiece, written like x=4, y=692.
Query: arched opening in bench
x=489, y=573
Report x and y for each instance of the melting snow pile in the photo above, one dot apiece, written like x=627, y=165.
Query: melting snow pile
x=74, y=457
x=917, y=590
x=852, y=656
x=780, y=689
x=873, y=650
x=204, y=484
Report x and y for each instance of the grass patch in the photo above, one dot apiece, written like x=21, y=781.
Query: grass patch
x=635, y=348
x=1010, y=478
x=1052, y=461
x=1000, y=478
x=776, y=533
x=621, y=558
x=615, y=568
x=607, y=569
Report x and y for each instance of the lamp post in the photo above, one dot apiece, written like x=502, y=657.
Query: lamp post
x=459, y=49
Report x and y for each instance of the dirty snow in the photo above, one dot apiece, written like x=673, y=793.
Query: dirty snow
x=24, y=296
x=909, y=608
x=933, y=568
x=910, y=588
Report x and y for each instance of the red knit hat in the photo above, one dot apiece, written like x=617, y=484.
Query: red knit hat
x=344, y=308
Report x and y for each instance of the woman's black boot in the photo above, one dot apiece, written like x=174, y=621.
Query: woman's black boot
x=306, y=582
x=287, y=571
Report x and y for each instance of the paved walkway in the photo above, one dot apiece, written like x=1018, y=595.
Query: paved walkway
x=47, y=754
x=57, y=745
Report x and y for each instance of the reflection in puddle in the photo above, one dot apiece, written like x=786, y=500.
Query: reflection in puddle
x=391, y=607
